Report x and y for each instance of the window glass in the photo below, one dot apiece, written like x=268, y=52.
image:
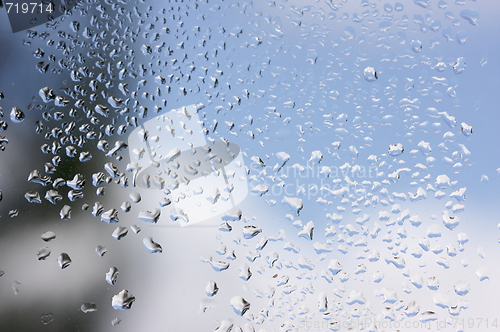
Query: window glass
x=248, y=165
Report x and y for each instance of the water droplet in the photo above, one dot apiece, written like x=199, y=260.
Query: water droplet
x=412, y=309
x=119, y=232
x=16, y=115
x=150, y=216
x=462, y=287
x=466, y=129
x=307, y=231
x=33, y=197
x=135, y=197
x=43, y=253
x=64, y=261
x=151, y=246
x=370, y=74
x=97, y=209
x=232, y=215
x=227, y=326
x=480, y=252
x=396, y=149
x=116, y=321
x=122, y=300
x=211, y=288
x=462, y=37
x=251, y=231
x=416, y=45
x=101, y=250
x=470, y=15
x=48, y=236
x=305, y=263
x=53, y=196
x=88, y=307
x=110, y=216
x=136, y=229
x=295, y=204
x=65, y=212
x=355, y=296
x=126, y=206
x=77, y=183
x=112, y=275
x=207, y=304
x=47, y=318
x=15, y=286
x=240, y=305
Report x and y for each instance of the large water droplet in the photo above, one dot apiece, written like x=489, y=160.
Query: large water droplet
x=64, y=261
x=122, y=300
x=16, y=115
x=240, y=305
x=470, y=15
x=43, y=253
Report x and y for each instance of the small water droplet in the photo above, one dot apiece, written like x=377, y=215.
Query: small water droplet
x=211, y=288
x=136, y=229
x=462, y=37
x=150, y=216
x=462, y=287
x=101, y=250
x=88, y=307
x=416, y=45
x=48, y=236
x=65, y=212
x=116, y=321
x=47, y=318
x=112, y=275
x=251, y=231
x=15, y=286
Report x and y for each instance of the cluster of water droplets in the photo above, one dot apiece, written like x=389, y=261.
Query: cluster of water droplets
x=348, y=192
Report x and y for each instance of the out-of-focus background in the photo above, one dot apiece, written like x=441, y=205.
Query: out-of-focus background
x=367, y=132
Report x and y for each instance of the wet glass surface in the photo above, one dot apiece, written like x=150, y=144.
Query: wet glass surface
x=250, y=166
